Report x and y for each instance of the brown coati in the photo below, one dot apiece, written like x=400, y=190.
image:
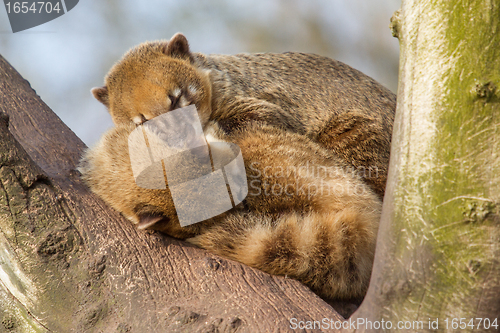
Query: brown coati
x=331, y=103
x=305, y=216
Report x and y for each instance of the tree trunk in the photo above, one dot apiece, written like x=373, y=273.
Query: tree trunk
x=438, y=248
x=69, y=263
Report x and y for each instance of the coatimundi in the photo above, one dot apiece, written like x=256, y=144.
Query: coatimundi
x=284, y=111
x=331, y=103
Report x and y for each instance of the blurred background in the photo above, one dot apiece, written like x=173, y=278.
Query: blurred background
x=64, y=58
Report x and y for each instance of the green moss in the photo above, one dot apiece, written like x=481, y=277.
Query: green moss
x=445, y=214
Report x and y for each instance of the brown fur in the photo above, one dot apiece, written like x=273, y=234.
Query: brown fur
x=321, y=231
x=331, y=103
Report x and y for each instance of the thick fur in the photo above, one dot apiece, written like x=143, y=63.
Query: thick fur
x=306, y=216
x=331, y=103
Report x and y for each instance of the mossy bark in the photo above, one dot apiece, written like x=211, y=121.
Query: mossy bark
x=438, y=249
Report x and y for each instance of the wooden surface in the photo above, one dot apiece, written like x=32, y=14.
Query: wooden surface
x=69, y=263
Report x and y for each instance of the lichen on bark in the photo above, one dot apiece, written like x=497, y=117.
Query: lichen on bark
x=439, y=238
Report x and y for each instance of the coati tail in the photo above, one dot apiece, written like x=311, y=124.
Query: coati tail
x=332, y=253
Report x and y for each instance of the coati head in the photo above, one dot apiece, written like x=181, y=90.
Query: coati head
x=154, y=78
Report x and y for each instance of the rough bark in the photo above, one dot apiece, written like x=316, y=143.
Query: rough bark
x=438, y=249
x=68, y=263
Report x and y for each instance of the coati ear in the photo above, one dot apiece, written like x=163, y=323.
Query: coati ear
x=178, y=47
x=101, y=94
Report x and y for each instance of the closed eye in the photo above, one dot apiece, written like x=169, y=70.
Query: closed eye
x=139, y=120
x=174, y=100
x=175, y=96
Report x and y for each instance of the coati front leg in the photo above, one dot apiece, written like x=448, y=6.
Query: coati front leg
x=237, y=112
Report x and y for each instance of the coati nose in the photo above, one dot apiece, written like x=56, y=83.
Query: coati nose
x=147, y=221
x=149, y=216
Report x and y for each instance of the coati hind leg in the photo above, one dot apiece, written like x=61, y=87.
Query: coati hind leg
x=357, y=139
x=363, y=143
